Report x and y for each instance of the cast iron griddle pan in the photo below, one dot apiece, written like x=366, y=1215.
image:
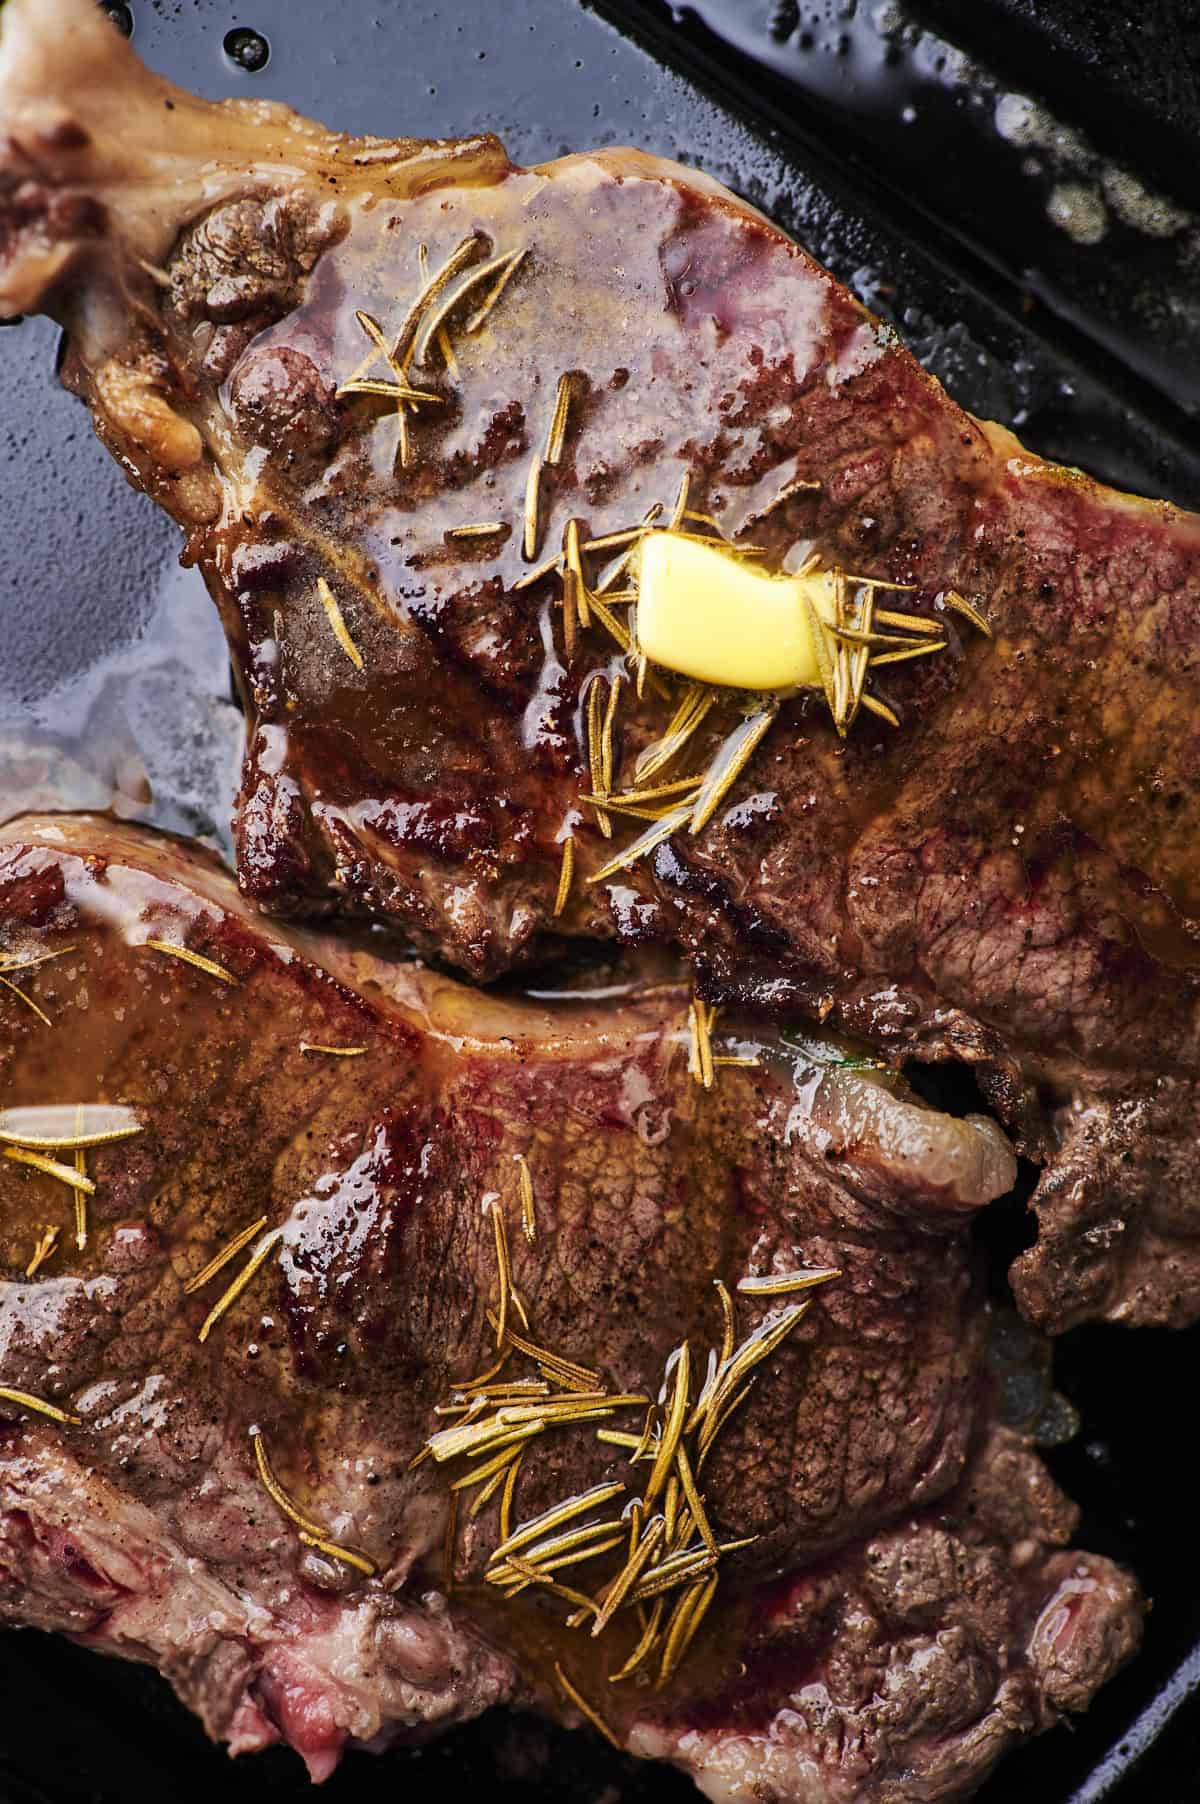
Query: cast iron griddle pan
x=870, y=133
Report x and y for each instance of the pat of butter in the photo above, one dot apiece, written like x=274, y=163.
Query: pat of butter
x=712, y=616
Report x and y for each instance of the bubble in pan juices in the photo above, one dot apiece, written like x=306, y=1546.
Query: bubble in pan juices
x=120, y=14
x=248, y=49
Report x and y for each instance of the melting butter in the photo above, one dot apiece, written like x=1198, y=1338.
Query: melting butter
x=711, y=616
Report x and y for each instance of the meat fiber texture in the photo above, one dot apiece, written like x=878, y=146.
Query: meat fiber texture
x=909, y=1605
x=1009, y=879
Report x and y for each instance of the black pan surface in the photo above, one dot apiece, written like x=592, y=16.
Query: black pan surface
x=114, y=688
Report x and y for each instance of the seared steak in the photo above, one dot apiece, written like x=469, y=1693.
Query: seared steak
x=352, y=1133
x=875, y=1676
x=1009, y=879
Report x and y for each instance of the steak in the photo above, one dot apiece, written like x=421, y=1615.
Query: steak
x=864, y=1678
x=1007, y=879
x=224, y=1469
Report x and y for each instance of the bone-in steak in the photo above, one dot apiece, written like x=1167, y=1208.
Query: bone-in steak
x=351, y=1133
x=1007, y=879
